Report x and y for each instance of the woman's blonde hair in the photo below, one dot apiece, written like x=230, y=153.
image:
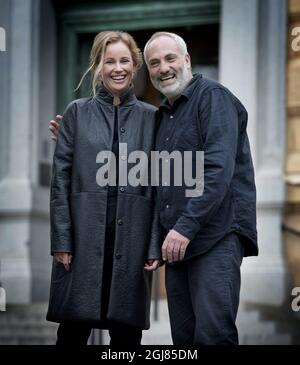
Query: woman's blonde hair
x=101, y=41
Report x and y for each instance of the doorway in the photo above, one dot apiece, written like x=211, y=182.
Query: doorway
x=202, y=42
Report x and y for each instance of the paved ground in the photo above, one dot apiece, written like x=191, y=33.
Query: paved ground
x=159, y=332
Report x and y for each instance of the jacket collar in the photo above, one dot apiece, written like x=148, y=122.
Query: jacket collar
x=105, y=97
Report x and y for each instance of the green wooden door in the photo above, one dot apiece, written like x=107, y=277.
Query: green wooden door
x=197, y=21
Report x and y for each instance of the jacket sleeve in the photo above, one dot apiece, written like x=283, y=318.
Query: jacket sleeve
x=154, y=251
x=60, y=216
x=219, y=125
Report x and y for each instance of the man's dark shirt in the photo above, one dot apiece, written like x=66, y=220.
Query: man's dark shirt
x=208, y=117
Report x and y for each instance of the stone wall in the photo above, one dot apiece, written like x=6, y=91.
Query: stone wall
x=292, y=168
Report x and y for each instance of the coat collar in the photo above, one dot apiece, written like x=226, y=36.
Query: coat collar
x=105, y=97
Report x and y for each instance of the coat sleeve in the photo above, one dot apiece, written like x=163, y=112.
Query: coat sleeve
x=60, y=216
x=219, y=124
x=154, y=251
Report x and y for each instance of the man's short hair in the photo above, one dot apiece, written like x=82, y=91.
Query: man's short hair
x=180, y=42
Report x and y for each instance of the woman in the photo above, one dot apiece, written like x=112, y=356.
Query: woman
x=105, y=239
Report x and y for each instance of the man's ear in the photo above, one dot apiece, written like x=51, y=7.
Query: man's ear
x=187, y=59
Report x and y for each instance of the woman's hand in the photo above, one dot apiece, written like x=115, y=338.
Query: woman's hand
x=54, y=127
x=64, y=258
x=151, y=265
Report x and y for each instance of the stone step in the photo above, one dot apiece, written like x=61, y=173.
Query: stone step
x=271, y=339
x=27, y=332
x=27, y=341
x=11, y=320
x=257, y=330
x=27, y=324
x=253, y=328
x=244, y=317
x=33, y=308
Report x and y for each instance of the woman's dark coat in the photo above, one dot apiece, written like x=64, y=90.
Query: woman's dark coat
x=78, y=214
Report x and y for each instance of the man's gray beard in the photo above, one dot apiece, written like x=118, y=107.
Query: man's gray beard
x=182, y=83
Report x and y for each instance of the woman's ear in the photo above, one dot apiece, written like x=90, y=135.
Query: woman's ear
x=100, y=78
x=134, y=72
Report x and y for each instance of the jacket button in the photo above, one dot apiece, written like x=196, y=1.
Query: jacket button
x=120, y=222
x=118, y=256
x=167, y=206
x=122, y=189
x=122, y=130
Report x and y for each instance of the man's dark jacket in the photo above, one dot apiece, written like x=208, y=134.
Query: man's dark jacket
x=208, y=117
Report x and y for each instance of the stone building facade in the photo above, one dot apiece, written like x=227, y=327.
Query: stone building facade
x=243, y=43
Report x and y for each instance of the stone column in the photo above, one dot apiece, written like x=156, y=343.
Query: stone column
x=40, y=231
x=252, y=65
x=19, y=88
x=238, y=56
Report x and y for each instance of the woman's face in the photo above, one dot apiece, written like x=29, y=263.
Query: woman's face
x=118, y=68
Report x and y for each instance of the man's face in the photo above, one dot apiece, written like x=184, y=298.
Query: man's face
x=169, y=69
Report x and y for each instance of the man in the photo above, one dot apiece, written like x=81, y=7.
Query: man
x=206, y=236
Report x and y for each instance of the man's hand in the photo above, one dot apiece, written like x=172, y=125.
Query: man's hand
x=54, y=127
x=151, y=265
x=174, y=246
x=64, y=258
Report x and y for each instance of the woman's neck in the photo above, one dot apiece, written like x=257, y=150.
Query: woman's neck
x=116, y=101
x=116, y=97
